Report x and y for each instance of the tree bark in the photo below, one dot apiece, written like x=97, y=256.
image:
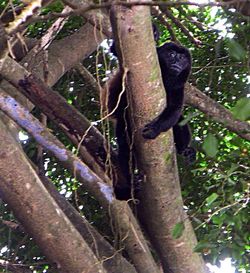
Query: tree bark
x=161, y=205
x=112, y=260
x=211, y=108
x=22, y=189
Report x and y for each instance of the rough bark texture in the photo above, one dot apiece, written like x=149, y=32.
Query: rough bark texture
x=22, y=189
x=60, y=61
x=161, y=207
x=161, y=200
x=52, y=104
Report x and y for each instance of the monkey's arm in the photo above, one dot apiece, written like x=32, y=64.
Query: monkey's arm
x=168, y=117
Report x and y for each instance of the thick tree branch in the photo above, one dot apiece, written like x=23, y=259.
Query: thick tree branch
x=129, y=230
x=112, y=260
x=59, y=61
x=56, y=68
x=80, y=45
x=213, y=109
x=49, y=142
x=22, y=189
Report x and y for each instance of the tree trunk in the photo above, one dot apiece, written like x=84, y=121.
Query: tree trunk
x=161, y=207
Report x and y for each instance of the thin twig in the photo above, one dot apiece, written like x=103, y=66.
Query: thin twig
x=53, y=15
x=178, y=23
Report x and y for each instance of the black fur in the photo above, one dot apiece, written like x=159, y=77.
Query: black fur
x=122, y=132
x=182, y=139
x=175, y=64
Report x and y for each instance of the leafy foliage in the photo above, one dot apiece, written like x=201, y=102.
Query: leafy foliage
x=242, y=109
x=210, y=145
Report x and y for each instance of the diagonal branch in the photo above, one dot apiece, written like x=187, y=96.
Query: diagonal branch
x=41, y=217
x=217, y=112
x=111, y=258
x=15, y=111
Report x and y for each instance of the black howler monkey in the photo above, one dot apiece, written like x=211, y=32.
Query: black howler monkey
x=175, y=64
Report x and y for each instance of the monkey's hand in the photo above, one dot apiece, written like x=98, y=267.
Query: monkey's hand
x=152, y=129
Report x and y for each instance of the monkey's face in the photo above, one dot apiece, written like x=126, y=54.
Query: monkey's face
x=175, y=61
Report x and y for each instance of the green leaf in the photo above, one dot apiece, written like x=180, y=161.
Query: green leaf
x=210, y=199
x=178, y=230
x=241, y=110
x=210, y=145
x=235, y=50
x=188, y=118
x=218, y=220
x=201, y=246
